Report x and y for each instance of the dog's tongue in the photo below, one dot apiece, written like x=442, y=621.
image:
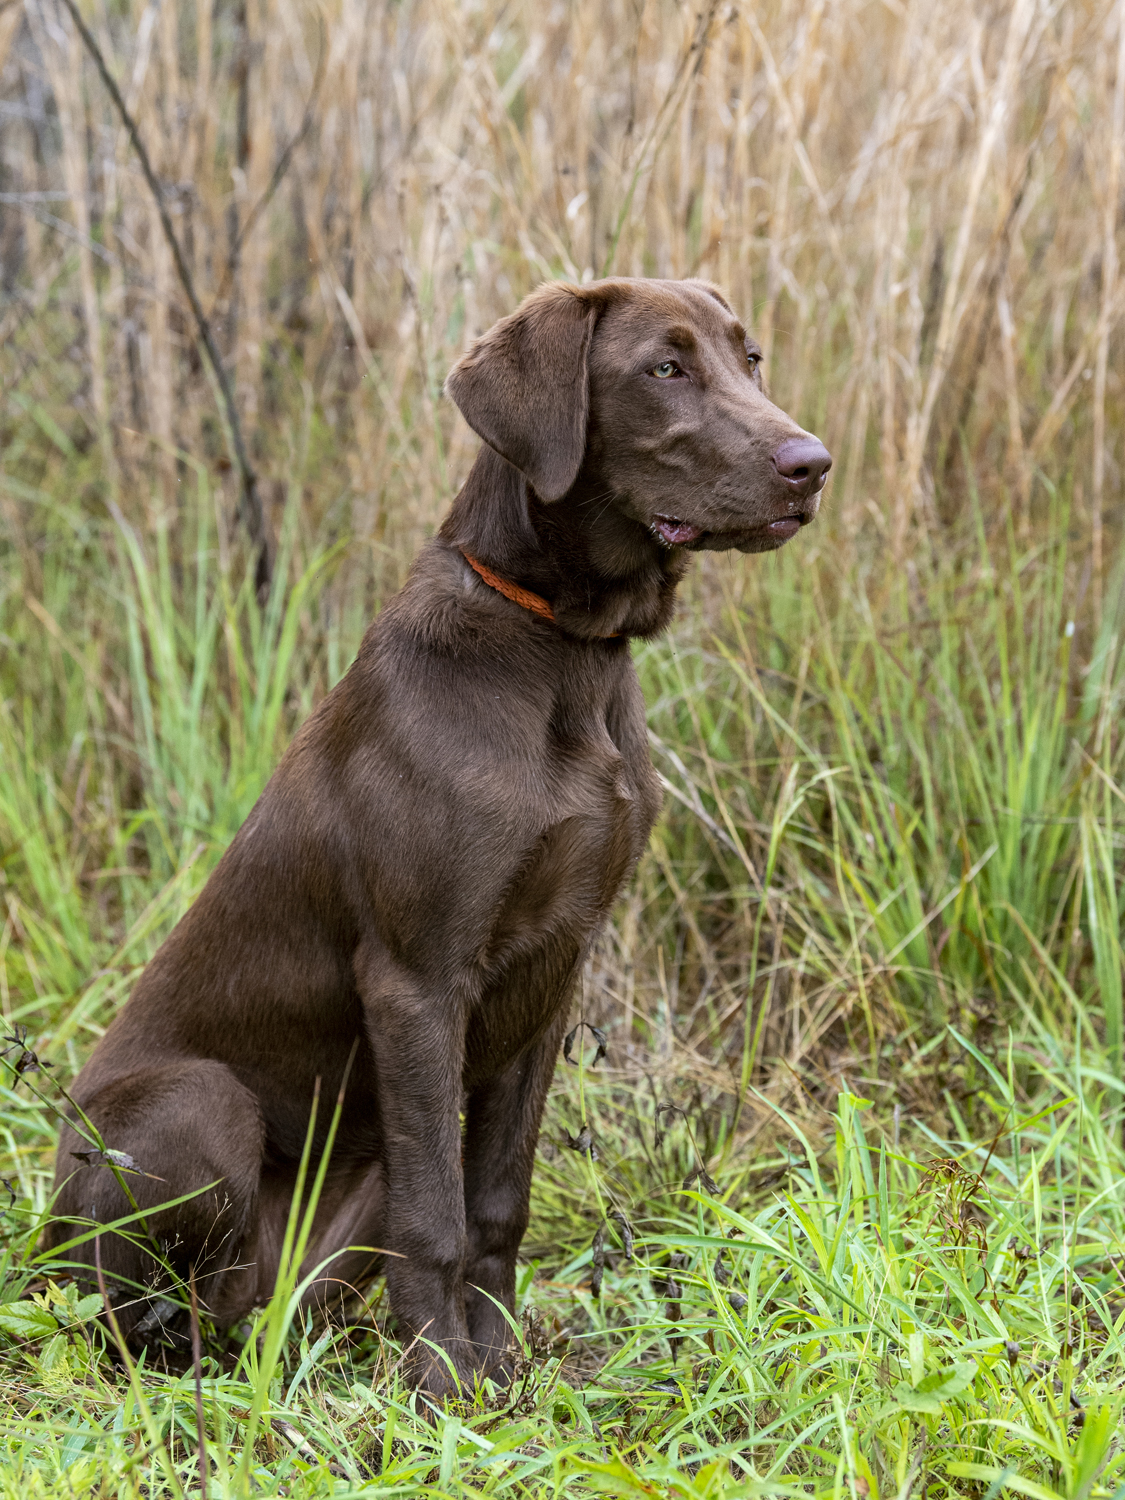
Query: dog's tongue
x=676, y=533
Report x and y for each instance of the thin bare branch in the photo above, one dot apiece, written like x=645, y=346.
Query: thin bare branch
x=251, y=507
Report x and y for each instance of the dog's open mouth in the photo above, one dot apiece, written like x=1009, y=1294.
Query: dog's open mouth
x=675, y=532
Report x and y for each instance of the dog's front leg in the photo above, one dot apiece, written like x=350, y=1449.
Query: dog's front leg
x=501, y=1130
x=417, y=1038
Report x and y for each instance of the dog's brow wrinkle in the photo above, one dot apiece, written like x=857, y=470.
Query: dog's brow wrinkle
x=680, y=336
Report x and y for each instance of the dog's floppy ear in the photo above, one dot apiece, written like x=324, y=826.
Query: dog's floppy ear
x=523, y=387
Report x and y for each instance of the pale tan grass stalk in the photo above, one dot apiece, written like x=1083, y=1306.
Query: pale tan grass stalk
x=10, y=21
x=158, y=360
x=130, y=219
x=1017, y=453
x=787, y=111
x=158, y=115
x=202, y=142
x=353, y=22
x=146, y=24
x=1111, y=188
x=1065, y=391
x=893, y=217
x=115, y=296
x=958, y=293
x=713, y=186
x=61, y=51
x=638, y=174
x=175, y=144
x=263, y=39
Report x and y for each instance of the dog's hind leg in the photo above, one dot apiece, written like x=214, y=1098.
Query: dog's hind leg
x=347, y=1240
x=181, y=1128
x=344, y=1249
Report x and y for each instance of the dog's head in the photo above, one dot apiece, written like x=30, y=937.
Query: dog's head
x=653, y=389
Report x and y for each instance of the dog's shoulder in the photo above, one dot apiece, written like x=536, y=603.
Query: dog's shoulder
x=440, y=610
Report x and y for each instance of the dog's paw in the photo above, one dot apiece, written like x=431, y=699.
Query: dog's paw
x=440, y=1379
x=163, y=1326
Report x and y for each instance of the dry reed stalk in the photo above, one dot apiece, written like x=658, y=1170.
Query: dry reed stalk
x=128, y=216
x=1017, y=452
x=1111, y=208
x=202, y=142
x=250, y=497
x=10, y=20
x=62, y=56
x=262, y=44
x=959, y=292
x=157, y=118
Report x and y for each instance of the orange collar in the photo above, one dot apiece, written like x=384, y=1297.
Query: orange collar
x=512, y=591
x=524, y=597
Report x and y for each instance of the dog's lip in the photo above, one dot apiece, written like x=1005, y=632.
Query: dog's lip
x=764, y=536
x=675, y=532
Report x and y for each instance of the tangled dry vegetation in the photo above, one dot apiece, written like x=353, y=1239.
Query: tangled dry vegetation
x=918, y=204
x=892, y=850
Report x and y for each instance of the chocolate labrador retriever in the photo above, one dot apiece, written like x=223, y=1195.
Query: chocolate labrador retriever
x=403, y=914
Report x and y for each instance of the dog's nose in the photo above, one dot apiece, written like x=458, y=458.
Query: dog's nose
x=803, y=463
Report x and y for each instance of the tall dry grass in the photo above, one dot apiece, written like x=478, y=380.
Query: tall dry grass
x=918, y=203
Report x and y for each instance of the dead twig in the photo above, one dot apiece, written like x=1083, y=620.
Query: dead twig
x=251, y=506
x=279, y=171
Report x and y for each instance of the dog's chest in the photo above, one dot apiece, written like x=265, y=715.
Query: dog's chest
x=599, y=798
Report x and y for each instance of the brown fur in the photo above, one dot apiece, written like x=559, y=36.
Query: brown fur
x=422, y=877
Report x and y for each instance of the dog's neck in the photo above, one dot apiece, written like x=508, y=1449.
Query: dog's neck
x=603, y=573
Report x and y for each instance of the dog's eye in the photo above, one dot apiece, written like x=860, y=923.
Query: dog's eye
x=666, y=370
